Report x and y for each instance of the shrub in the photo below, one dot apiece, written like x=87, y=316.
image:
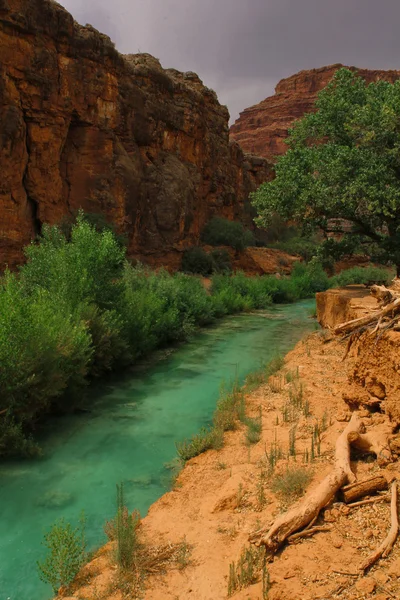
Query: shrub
x=66, y=554
x=221, y=232
x=206, y=439
x=124, y=530
x=196, y=260
x=221, y=261
x=291, y=484
x=230, y=408
x=365, y=275
x=246, y=571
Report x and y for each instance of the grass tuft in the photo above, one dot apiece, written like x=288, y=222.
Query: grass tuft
x=291, y=484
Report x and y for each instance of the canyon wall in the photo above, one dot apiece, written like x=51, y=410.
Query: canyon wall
x=84, y=126
x=263, y=128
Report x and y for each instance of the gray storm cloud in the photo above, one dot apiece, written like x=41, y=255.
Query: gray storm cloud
x=242, y=48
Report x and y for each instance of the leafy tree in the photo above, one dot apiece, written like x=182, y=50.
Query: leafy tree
x=343, y=163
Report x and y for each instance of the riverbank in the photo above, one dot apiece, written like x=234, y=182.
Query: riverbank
x=217, y=500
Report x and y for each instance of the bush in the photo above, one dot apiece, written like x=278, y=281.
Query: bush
x=66, y=554
x=291, y=484
x=221, y=261
x=221, y=232
x=196, y=260
x=206, y=439
x=124, y=530
x=365, y=275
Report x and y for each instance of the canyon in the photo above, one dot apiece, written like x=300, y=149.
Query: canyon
x=262, y=129
x=82, y=126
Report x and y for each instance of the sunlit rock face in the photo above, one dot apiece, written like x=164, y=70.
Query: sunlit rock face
x=84, y=126
x=263, y=128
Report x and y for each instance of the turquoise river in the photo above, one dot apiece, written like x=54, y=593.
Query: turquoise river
x=128, y=436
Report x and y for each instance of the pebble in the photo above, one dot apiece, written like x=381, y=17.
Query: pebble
x=381, y=577
x=336, y=541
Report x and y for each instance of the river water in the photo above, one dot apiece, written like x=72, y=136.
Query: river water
x=128, y=436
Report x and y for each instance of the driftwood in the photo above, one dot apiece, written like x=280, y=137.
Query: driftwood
x=305, y=511
x=388, y=543
x=357, y=490
x=391, y=310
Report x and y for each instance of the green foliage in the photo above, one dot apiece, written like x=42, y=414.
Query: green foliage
x=125, y=528
x=247, y=569
x=291, y=484
x=221, y=261
x=343, y=162
x=254, y=428
x=221, y=232
x=365, y=275
x=206, y=439
x=196, y=260
x=77, y=309
x=66, y=548
x=230, y=408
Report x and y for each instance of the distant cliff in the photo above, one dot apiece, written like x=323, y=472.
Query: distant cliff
x=263, y=128
x=84, y=126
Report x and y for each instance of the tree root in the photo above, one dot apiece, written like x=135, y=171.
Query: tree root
x=302, y=513
x=388, y=543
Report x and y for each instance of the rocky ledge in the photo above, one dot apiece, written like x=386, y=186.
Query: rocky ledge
x=263, y=128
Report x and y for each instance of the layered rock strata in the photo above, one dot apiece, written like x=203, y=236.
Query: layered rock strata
x=263, y=128
x=84, y=126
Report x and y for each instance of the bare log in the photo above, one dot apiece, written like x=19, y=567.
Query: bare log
x=388, y=543
x=302, y=513
x=357, y=490
x=391, y=309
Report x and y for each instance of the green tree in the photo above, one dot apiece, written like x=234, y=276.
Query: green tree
x=343, y=163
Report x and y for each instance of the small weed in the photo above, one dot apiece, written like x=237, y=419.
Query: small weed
x=254, y=380
x=273, y=456
x=306, y=409
x=260, y=490
x=254, y=428
x=276, y=385
x=183, y=554
x=246, y=571
x=291, y=484
x=296, y=396
x=230, y=408
x=220, y=466
x=292, y=442
x=274, y=366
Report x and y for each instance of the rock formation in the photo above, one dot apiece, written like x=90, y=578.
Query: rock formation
x=84, y=126
x=263, y=128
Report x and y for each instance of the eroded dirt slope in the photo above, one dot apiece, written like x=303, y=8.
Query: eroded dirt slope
x=216, y=502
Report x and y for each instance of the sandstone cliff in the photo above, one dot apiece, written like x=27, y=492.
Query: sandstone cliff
x=84, y=126
x=263, y=128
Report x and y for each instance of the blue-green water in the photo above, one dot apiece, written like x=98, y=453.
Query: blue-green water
x=128, y=436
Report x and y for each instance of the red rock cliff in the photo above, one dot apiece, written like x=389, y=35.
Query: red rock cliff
x=83, y=126
x=263, y=128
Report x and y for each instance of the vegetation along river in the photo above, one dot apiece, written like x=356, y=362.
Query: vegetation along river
x=128, y=436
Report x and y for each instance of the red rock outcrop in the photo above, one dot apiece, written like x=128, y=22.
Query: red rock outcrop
x=263, y=128
x=84, y=126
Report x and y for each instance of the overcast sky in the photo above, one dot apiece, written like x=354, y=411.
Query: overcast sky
x=242, y=48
